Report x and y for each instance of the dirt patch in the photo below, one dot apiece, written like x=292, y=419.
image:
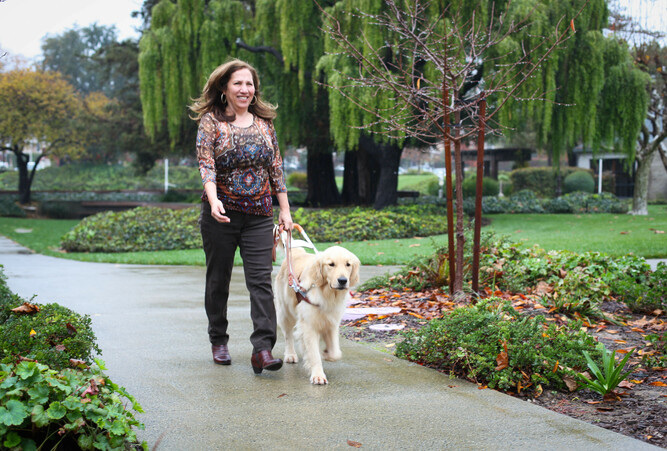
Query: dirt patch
x=639, y=407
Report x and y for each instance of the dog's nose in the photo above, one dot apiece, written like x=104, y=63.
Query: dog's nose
x=342, y=281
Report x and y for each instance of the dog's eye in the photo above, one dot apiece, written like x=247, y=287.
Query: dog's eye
x=348, y=264
x=332, y=264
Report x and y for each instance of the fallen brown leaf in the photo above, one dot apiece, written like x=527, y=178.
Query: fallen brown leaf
x=26, y=308
x=658, y=384
x=354, y=444
x=626, y=384
x=502, y=359
x=570, y=382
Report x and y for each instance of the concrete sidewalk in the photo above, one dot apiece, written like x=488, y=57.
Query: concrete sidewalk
x=151, y=326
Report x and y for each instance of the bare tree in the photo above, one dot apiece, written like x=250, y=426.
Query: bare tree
x=436, y=70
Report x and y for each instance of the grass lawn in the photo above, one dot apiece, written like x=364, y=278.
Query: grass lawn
x=612, y=234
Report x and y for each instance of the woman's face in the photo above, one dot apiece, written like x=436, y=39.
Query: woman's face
x=240, y=90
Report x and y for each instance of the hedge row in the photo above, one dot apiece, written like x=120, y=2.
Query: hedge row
x=544, y=180
x=139, y=229
x=526, y=201
x=152, y=228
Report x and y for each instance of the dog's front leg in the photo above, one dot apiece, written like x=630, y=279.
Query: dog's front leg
x=311, y=345
x=332, y=342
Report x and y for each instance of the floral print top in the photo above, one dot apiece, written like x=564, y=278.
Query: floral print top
x=243, y=162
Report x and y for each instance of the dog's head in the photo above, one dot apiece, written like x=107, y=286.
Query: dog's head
x=335, y=267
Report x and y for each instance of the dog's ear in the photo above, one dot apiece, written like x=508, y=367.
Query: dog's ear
x=313, y=276
x=354, y=275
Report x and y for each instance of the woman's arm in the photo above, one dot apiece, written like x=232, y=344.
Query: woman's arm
x=205, y=145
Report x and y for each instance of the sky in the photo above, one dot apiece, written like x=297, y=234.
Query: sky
x=23, y=23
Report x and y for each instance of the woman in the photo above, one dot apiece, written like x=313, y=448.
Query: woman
x=240, y=167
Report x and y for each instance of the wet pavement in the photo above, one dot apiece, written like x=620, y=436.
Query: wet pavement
x=151, y=326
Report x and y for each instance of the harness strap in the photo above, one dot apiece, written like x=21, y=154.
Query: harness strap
x=292, y=280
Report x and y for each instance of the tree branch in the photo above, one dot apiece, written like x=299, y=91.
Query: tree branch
x=260, y=49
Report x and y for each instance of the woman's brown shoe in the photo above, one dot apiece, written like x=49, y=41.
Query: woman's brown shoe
x=221, y=355
x=263, y=360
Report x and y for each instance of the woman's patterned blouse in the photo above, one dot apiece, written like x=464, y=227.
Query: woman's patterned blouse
x=243, y=162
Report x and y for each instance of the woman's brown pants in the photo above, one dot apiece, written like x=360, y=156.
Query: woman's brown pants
x=254, y=236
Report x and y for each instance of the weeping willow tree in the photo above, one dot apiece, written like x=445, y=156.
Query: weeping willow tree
x=187, y=39
x=425, y=70
x=594, y=96
x=371, y=158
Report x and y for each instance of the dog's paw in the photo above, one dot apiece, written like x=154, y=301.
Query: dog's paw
x=318, y=378
x=332, y=356
x=291, y=358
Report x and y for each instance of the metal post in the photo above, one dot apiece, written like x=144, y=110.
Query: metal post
x=166, y=175
x=478, y=195
x=600, y=176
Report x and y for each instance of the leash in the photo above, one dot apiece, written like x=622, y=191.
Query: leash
x=292, y=280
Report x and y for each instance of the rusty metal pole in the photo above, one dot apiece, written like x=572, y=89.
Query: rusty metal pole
x=448, y=177
x=478, y=195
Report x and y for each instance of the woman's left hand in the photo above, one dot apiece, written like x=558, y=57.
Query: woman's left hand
x=285, y=220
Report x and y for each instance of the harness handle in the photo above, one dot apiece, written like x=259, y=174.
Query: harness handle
x=292, y=280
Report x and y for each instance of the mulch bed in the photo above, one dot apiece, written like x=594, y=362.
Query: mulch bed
x=639, y=407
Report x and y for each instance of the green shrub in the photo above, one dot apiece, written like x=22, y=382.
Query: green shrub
x=469, y=342
x=659, y=358
x=489, y=187
x=298, y=180
x=525, y=201
x=140, y=229
x=41, y=408
x=359, y=224
x=579, y=181
x=52, y=336
x=642, y=291
x=9, y=207
x=541, y=180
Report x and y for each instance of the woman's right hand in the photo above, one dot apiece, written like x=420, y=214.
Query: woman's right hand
x=218, y=211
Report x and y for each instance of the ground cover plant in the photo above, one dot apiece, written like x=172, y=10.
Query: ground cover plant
x=53, y=392
x=527, y=333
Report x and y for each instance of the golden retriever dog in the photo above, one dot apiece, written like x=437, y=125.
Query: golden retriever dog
x=327, y=278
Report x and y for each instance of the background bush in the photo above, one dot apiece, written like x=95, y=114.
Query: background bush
x=8, y=206
x=140, y=229
x=541, y=180
x=489, y=187
x=298, y=180
x=579, y=181
x=358, y=224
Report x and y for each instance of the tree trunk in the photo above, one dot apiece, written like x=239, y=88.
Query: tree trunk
x=322, y=189
x=460, y=236
x=368, y=170
x=350, y=193
x=24, y=177
x=640, y=197
x=387, y=187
